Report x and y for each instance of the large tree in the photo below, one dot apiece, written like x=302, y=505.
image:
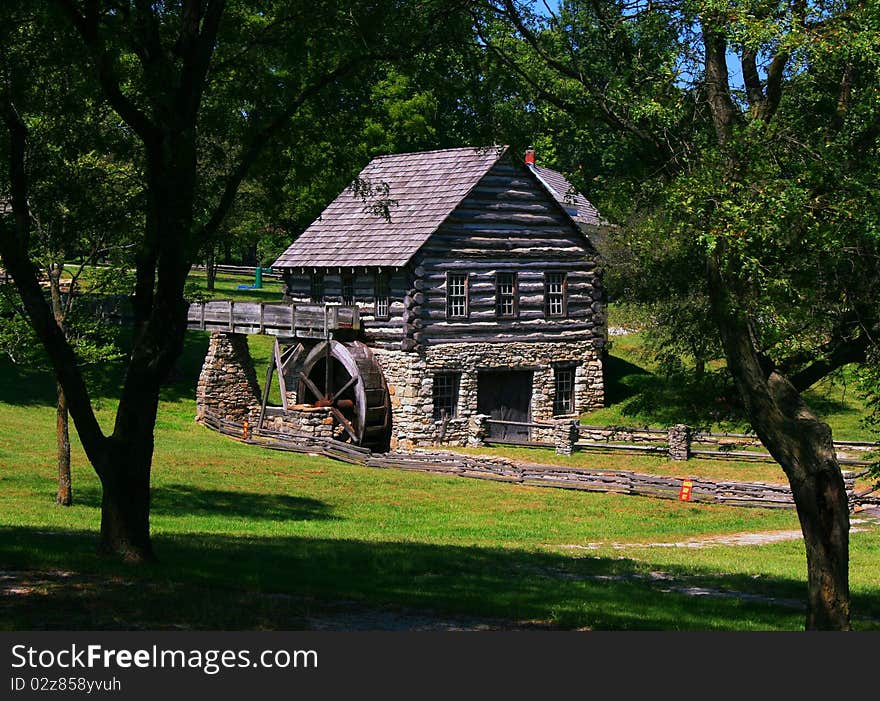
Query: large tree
x=80, y=198
x=754, y=129
x=183, y=77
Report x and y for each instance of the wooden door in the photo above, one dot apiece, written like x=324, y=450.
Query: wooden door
x=506, y=395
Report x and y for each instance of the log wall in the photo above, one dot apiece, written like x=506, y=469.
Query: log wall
x=508, y=223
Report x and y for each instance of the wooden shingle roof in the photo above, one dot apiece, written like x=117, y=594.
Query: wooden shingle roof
x=573, y=202
x=399, y=201
x=420, y=189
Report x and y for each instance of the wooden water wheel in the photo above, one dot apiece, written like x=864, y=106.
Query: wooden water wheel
x=346, y=378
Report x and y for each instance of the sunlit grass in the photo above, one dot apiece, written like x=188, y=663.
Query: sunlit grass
x=253, y=538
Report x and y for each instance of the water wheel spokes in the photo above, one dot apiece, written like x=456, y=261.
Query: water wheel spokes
x=344, y=387
x=346, y=379
x=346, y=424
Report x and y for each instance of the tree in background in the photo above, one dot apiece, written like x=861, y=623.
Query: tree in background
x=181, y=78
x=753, y=195
x=81, y=203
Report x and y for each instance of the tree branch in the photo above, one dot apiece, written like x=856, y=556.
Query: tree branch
x=87, y=27
x=754, y=89
x=775, y=72
x=197, y=46
x=609, y=115
x=843, y=353
x=264, y=135
x=724, y=112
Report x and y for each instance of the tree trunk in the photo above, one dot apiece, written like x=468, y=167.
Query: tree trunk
x=211, y=269
x=824, y=515
x=64, y=497
x=125, y=506
x=803, y=446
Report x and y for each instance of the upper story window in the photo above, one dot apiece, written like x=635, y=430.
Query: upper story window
x=506, y=296
x=555, y=303
x=316, y=287
x=383, y=296
x=348, y=288
x=456, y=295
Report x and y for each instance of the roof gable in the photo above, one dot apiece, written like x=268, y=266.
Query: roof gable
x=420, y=190
x=578, y=207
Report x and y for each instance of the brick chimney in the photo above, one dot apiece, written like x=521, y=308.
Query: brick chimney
x=530, y=157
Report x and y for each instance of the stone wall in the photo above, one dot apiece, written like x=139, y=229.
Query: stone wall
x=303, y=420
x=227, y=387
x=410, y=383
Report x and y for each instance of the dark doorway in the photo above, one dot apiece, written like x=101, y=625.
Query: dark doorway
x=506, y=395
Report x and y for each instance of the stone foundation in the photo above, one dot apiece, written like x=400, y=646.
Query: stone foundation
x=410, y=384
x=227, y=386
x=313, y=421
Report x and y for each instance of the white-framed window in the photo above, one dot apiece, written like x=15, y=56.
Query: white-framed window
x=383, y=296
x=506, y=296
x=456, y=295
x=563, y=389
x=446, y=386
x=555, y=303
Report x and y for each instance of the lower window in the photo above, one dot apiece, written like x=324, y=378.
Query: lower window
x=563, y=390
x=446, y=395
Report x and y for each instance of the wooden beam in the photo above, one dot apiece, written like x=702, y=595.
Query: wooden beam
x=266, y=386
x=276, y=352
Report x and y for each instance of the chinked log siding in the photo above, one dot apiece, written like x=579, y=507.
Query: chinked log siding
x=383, y=333
x=508, y=223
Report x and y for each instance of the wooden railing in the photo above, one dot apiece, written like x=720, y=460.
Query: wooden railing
x=249, y=270
x=727, y=446
x=274, y=319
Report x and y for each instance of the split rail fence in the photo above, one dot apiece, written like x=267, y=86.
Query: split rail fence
x=749, y=494
x=678, y=442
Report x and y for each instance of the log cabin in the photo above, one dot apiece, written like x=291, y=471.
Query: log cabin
x=478, y=290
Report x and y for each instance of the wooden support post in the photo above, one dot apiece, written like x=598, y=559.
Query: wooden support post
x=231, y=316
x=265, y=394
x=262, y=320
x=280, y=367
x=202, y=322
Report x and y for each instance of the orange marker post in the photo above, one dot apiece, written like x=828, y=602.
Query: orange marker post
x=246, y=430
x=684, y=494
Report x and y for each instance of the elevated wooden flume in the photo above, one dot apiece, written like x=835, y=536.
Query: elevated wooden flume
x=317, y=321
x=316, y=347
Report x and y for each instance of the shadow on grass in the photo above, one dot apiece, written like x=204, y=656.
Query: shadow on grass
x=184, y=499
x=227, y=582
x=617, y=372
x=185, y=375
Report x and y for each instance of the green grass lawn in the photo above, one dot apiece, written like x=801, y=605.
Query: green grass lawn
x=252, y=538
x=227, y=286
